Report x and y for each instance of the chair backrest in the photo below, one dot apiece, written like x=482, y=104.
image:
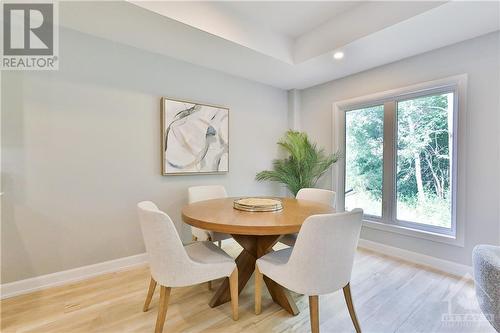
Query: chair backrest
x=319, y=195
x=163, y=244
x=200, y=193
x=323, y=255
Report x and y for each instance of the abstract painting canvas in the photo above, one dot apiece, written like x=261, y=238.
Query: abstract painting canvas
x=195, y=138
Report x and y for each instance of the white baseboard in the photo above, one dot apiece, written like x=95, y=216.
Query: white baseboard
x=81, y=273
x=446, y=266
x=72, y=275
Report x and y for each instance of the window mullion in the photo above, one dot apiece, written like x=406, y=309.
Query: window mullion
x=389, y=192
x=342, y=172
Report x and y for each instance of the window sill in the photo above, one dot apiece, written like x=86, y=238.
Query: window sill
x=435, y=237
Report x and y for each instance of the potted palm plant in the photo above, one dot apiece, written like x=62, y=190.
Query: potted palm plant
x=303, y=166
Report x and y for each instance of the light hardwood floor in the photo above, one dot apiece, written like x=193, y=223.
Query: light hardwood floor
x=390, y=295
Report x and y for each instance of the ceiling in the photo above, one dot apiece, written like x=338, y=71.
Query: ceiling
x=288, y=45
x=291, y=18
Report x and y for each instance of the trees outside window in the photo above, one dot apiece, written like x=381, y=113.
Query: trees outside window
x=424, y=160
x=364, y=159
x=399, y=160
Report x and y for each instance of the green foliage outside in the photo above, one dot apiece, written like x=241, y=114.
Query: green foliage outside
x=364, y=159
x=303, y=166
x=423, y=166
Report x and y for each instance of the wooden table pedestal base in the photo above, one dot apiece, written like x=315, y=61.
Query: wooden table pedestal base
x=254, y=247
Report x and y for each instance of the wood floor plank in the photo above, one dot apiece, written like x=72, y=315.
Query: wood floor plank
x=390, y=295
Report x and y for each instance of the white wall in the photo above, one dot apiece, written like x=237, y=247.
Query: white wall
x=81, y=146
x=480, y=59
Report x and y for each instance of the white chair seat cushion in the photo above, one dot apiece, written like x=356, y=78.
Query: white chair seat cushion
x=210, y=261
x=218, y=236
x=208, y=253
x=272, y=259
x=289, y=239
x=200, y=234
x=203, y=235
x=273, y=265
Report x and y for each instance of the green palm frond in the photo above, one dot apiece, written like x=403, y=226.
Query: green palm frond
x=303, y=166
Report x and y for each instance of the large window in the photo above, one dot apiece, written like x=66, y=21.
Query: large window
x=400, y=159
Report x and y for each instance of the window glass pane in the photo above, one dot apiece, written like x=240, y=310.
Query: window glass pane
x=424, y=160
x=364, y=159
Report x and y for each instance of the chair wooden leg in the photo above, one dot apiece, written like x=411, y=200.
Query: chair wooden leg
x=258, y=290
x=151, y=291
x=162, y=311
x=233, y=286
x=350, y=306
x=314, y=313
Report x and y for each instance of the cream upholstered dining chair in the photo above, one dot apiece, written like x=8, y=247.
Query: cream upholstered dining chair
x=175, y=265
x=208, y=192
x=312, y=194
x=320, y=262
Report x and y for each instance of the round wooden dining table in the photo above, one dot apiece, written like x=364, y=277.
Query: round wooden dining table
x=256, y=232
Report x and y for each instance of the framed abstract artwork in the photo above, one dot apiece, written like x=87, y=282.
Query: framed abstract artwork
x=195, y=138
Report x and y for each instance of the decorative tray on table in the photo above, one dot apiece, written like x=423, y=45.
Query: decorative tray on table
x=258, y=204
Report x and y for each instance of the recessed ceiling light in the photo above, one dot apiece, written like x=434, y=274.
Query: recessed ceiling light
x=338, y=55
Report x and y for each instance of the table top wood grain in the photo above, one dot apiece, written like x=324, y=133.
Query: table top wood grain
x=220, y=216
